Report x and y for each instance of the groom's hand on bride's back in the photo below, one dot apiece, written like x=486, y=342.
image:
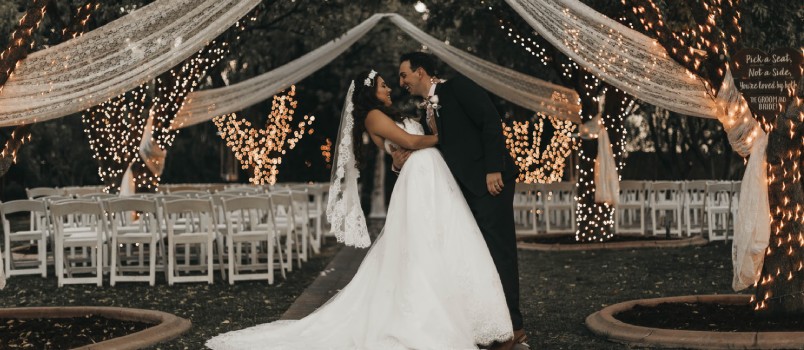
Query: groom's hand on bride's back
x=400, y=156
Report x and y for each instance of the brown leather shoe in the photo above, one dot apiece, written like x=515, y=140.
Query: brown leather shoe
x=520, y=337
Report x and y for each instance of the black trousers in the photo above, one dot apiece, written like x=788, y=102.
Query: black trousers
x=495, y=217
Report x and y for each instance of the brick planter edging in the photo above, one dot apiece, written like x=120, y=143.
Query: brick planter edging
x=558, y=247
x=166, y=326
x=604, y=324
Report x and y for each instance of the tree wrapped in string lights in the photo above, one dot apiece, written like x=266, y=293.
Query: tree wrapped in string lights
x=260, y=151
x=523, y=140
x=705, y=44
x=170, y=90
x=114, y=129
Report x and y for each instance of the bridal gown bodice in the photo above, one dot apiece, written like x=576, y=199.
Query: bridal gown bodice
x=427, y=282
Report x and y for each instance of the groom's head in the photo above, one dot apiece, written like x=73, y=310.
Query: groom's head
x=415, y=72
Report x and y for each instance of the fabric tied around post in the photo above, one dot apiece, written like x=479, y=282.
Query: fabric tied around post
x=607, y=181
x=153, y=155
x=752, y=226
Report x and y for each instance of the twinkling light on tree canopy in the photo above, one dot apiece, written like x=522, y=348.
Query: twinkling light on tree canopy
x=260, y=151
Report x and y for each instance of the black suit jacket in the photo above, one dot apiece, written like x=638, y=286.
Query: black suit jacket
x=470, y=135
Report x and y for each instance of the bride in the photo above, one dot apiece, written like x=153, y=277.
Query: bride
x=428, y=282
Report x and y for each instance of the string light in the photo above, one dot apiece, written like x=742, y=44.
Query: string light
x=787, y=216
x=114, y=129
x=326, y=152
x=261, y=150
x=18, y=48
x=523, y=140
x=171, y=89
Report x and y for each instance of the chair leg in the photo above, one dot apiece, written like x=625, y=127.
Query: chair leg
x=43, y=255
x=231, y=261
x=115, y=262
x=152, y=262
x=270, y=244
x=170, y=262
x=210, y=258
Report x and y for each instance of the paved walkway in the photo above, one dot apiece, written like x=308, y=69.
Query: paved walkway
x=334, y=277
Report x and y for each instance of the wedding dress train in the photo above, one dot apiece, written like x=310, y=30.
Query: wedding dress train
x=428, y=281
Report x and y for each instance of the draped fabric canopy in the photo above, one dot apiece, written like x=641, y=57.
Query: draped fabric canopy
x=636, y=64
x=640, y=66
x=524, y=90
x=114, y=58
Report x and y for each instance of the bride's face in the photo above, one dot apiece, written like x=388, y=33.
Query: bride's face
x=383, y=92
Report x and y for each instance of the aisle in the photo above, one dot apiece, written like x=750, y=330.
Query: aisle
x=334, y=277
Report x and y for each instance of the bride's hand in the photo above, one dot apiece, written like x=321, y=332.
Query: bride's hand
x=400, y=156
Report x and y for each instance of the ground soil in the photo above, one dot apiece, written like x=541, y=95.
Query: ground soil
x=62, y=333
x=707, y=317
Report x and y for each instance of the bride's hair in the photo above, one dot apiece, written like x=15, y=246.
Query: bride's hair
x=364, y=99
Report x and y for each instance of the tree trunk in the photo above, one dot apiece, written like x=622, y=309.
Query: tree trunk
x=596, y=220
x=780, y=290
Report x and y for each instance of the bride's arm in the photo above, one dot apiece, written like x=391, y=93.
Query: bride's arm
x=380, y=124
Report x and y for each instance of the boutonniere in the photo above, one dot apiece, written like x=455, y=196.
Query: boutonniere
x=433, y=102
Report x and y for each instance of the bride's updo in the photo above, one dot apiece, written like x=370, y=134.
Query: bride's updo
x=364, y=99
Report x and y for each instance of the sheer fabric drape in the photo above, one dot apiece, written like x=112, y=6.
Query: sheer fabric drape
x=114, y=58
x=524, y=90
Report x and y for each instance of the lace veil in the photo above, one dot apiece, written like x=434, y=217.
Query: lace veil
x=343, y=208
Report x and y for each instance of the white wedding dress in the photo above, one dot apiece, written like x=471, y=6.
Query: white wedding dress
x=428, y=281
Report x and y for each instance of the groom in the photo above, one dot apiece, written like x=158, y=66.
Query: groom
x=470, y=137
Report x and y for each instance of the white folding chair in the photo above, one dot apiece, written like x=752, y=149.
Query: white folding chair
x=316, y=211
x=198, y=220
x=526, y=209
x=302, y=229
x=35, y=209
x=285, y=222
x=37, y=192
x=559, y=207
x=736, y=187
x=666, y=200
x=693, y=215
x=89, y=234
x=140, y=231
x=78, y=191
x=717, y=205
x=630, y=210
x=190, y=193
x=250, y=237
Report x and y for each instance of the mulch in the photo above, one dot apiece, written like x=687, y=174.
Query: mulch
x=62, y=333
x=708, y=317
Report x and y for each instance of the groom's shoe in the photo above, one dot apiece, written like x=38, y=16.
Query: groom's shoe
x=519, y=342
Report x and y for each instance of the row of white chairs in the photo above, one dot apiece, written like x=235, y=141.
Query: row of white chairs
x=645, y=207
x=253, y=230
x=316, y=210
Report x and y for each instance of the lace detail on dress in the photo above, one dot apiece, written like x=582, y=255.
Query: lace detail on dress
x=343, y=207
